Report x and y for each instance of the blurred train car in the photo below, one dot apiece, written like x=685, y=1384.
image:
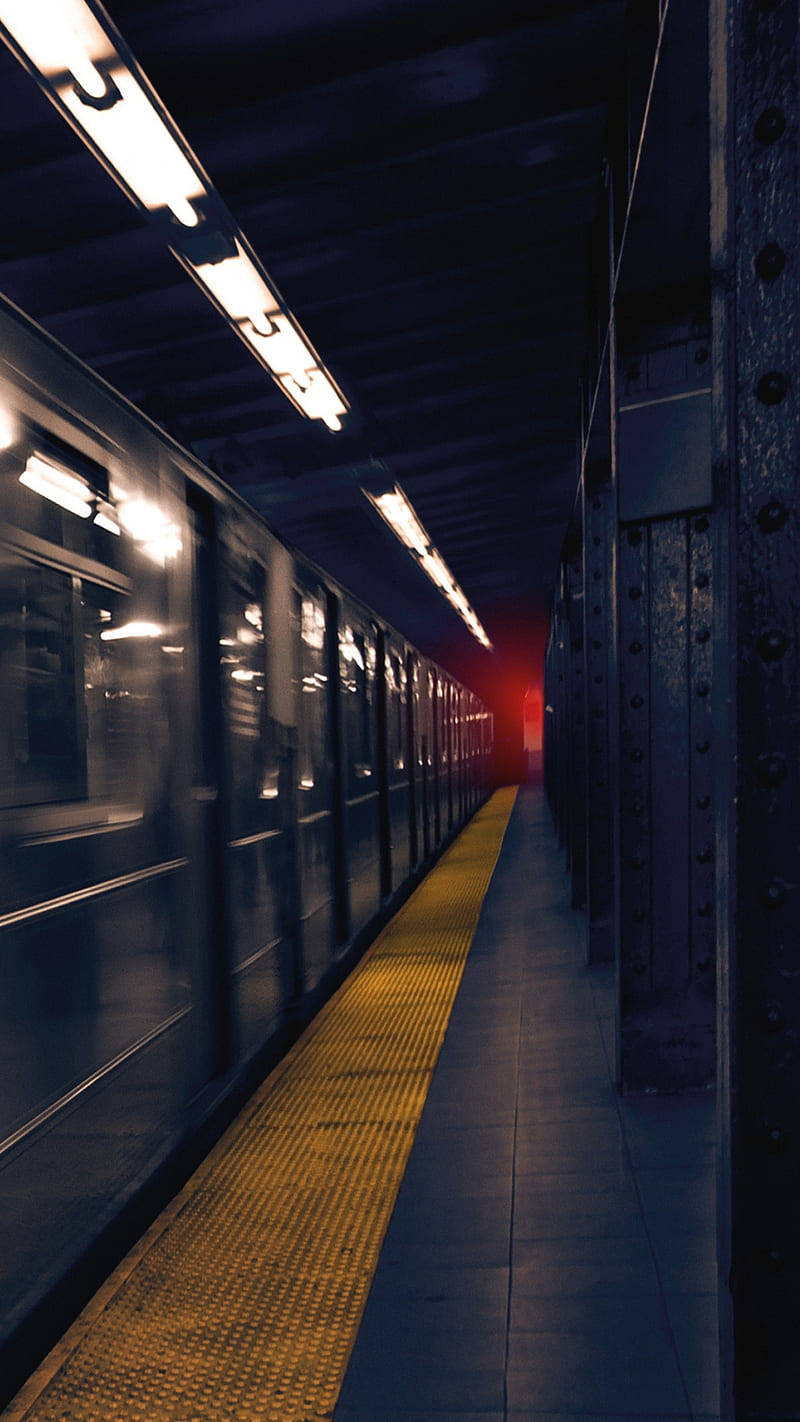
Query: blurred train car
x=217, y=771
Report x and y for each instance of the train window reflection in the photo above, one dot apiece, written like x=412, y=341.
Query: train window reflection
x=357, y=679
x=83, y=717
x=313, y=715
x=44, y=750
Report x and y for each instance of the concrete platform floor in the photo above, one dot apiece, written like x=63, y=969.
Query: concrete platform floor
x=551, y=1251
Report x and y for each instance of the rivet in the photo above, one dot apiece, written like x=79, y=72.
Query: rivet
x=595, y=503
x=701, y=355
x=598, y=679
x=772, y=894
x=637, y=809
x=702, y=747
x=597, y=540
x=772, y=645
x=770, y=262
x=636, y=756
x=597, y=575
x=703, y=689
x=773, y=1259
x=634, y=593
x=703, y=635
x=577, y=644
x=638, y=915
x=637, y=862
x=596, y=643
x=701, y=524
x=773, y=1017
x=704, y=910
x=635, y=648
x=597, y=609
x=772, y=387
x=634, y=370
x=634, y=537
x=770, y=125
x=703, y=802
x=639, y=969
x=704, y=854
x=771, y=768
x=704, y=964
x=637, y=701
x=775, y=1138
x=772, y=516
x=702, y=580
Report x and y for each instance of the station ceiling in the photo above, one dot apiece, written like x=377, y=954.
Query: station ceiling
x=419, y=178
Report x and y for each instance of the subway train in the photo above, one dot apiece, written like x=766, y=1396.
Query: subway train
x=220, y=771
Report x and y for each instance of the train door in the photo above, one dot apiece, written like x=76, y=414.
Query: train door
x=207, y=941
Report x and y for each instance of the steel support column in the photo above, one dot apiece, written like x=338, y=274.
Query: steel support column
x=664, y=585
x=576, y=843
x=599, y=524
x=756, y=443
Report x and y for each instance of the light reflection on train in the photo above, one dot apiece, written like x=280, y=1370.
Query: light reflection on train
x=216, y=768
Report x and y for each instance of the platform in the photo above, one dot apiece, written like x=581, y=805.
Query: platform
x=549, y=1247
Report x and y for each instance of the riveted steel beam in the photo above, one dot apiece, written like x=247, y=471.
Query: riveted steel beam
x=755, y=219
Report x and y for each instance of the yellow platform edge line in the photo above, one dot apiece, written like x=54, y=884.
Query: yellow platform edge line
x=471, y=858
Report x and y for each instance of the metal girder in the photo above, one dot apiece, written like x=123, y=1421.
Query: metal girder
x=599, y=524
x=756, y=445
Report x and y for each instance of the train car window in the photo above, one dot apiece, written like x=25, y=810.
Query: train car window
x=44, y=758
x=313, y=712
x=395, y=718
x=84, y=719
x=357, y=681
x=253, y=774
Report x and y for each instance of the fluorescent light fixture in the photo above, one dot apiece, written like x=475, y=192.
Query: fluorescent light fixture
x=239, y=288
x=396, y=510
x=86, y=70
x=110, y=107
x=67, y=490
x=138, y=146
x=317, y=397
x=132, y=629
x=402, y=520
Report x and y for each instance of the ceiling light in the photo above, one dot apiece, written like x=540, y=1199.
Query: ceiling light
x=238, y=286
x=403, y=521
x=106, y=101
x=86, y=70
x=137, y=145
x=58, y=485
x=317, y=397
x=398, y=512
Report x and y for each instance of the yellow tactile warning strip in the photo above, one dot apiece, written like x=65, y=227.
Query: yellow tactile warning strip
x=242, y=1302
